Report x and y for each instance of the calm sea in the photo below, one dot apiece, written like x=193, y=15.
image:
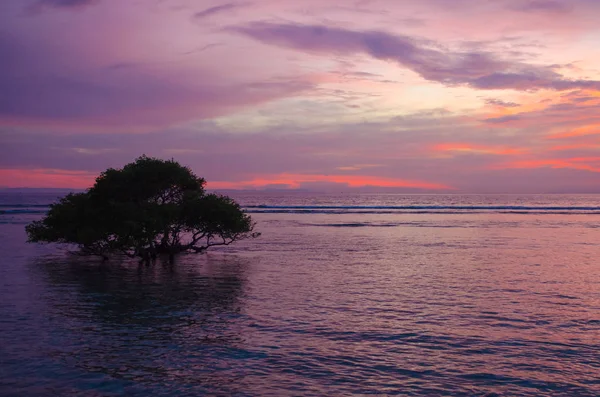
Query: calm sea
x=342, y=295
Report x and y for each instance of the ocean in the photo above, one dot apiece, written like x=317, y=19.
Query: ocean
x=347, y=294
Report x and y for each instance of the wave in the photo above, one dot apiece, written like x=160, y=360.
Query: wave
x=420, y=209
x=383, y=212
x=22, y=211
x=425, y=207
x=360, y=224
x=14, y=209
x=24, y=205
x=428, y=223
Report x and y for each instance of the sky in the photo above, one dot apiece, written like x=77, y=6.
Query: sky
x=441, y=96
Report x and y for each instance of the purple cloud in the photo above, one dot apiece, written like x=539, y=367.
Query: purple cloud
x=74, y=4
x=217, y=9
x=479, y=70
x=567, y=115
x=501, y=103
x=542, y=5
x=530, y=78
x=67, y=3
x=37, y=86
x=221, y=156
x=502, y=119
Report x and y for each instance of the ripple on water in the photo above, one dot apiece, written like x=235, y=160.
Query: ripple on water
x=440, y=311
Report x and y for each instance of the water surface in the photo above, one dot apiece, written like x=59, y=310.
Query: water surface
x=365, y=294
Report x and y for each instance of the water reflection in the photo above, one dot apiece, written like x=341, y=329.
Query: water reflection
x=148, y=325
x=125, y=293
x=476, y=305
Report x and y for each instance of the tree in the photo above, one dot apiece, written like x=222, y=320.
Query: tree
x=147, y=208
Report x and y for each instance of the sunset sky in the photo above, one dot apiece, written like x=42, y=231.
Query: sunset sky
x=395, y=95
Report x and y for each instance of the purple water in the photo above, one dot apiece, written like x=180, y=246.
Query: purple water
x=342, y=294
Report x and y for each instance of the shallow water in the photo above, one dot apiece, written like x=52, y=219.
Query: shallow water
x=464, y=303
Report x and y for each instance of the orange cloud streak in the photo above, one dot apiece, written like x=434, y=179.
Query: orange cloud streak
x=584, y=145
x=478, y=149
x=593, y=129
x=54, y=178
x=294, y=181
x=46, y=178
x=578, y=163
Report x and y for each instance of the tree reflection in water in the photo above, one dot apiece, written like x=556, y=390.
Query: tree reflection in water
x=161, y=323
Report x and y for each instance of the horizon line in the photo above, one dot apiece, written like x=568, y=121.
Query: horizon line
x=328, y=191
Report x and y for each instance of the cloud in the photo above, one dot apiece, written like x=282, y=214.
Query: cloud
x=568, y=114
x=295, y=181
x=220, y=155
x=64, y=4
x=553, y=6
x=468, y=148
x=503, y=119
x=530, y=78
x=591, y=129
x=357, y=167
x=67, y=3
x=57, y=178
x=274, y=100
x=217, y=10
x=46, y=178
x=585, y=146
x=478, y=70
x=402, y=149
x=501, y=103
x=139, y=100
x=40, y=87
x=591, y=164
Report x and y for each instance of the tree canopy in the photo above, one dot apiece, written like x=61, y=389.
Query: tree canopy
x=147, y=208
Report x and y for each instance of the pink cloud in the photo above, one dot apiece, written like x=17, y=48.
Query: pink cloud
x=295, y=181
x=468, y=148
x=46, y=178
x=586, y=164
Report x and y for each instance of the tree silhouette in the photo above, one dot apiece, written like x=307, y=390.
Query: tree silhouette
x=147, y=208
